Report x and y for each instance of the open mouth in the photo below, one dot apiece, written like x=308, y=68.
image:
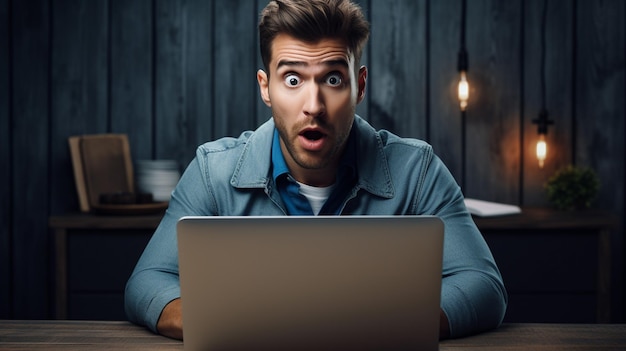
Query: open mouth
x=313, y=135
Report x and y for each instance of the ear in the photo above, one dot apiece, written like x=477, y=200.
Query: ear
x=264, y=86
x=362, y=83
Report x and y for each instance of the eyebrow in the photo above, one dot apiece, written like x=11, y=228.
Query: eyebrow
x=338, y=62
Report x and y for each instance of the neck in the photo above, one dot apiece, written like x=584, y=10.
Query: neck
x=316, y=177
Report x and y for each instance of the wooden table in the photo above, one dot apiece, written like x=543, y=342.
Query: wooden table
x=98, y=335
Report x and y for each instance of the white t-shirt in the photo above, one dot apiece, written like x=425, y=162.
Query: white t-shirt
x=317, y=196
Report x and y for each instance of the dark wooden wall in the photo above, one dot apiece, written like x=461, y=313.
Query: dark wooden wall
x=174, y=73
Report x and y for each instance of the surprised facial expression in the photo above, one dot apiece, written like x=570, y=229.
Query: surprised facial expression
x=313, y=91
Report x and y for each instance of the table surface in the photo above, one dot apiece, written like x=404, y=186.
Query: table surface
x=100, y=335
x=530, y=218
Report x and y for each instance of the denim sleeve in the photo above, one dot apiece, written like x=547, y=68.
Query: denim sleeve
x=154, y=281
x=473, y=295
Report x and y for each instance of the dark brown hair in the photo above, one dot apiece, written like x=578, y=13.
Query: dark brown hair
x=311, y=21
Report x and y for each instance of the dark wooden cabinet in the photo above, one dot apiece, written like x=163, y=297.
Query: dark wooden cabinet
x=555, y=264
x=94, y=256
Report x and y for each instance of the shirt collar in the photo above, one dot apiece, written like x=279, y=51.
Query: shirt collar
x=370, y=162
x=279, y=164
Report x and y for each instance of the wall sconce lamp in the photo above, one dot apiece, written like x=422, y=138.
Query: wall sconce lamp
x=542, y=121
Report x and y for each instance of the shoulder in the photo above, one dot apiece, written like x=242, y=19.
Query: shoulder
x=389, y=142
x=224, y=146
x=245, y=158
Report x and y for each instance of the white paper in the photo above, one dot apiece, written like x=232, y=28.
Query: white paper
x=487, y=208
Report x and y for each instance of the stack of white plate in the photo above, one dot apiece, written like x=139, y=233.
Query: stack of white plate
x=157, y=177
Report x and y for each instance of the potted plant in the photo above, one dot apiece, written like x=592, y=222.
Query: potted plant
x=572, y=187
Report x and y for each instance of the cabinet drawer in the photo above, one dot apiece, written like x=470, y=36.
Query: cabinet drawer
x=551, y=308
x=102, y=260
x=99, y=306
x=546, y=261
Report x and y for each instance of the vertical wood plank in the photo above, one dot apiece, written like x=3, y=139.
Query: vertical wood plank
x=362, y=109
x=5, y=159
x=235, y=87
x=398, y=67
x=600, y=108
x=79, y=88
x=169, y=84
x=445, y=115
x=199, y=77
x=558, y=84
x=263, y=113
x=30, y=145
x=493, y=123
x=184, y=77
x=621, y=298
x=600, y=105
x=131, y=74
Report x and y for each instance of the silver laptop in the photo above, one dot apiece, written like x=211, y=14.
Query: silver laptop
x=310, y=283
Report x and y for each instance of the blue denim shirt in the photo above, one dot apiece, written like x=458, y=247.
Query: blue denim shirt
x=395, y=176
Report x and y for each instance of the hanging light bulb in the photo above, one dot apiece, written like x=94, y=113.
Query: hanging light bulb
x=542, y=149
x=542, y=128
x=463, y=90
x=542, y=121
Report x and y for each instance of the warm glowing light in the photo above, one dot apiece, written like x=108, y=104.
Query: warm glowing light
x=463, y=90
x=542, y=149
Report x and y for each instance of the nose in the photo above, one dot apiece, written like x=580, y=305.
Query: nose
x=314, y=104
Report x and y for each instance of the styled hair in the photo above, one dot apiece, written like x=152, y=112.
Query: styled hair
x=311, y=21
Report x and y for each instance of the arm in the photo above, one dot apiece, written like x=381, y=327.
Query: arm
x=171, y=320
x=473, y=296
x=154, y=283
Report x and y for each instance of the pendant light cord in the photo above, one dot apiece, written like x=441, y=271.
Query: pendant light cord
x=463, y=62
x=544, y=16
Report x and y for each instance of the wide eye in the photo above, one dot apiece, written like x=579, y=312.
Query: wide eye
x=292, y=80
x=334, y=80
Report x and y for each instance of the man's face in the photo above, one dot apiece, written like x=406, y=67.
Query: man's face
x=313, y=91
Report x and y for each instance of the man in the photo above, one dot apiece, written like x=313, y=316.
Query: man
x=316, y=157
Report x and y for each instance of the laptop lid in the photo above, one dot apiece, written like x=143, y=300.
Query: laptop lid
x=318, y=283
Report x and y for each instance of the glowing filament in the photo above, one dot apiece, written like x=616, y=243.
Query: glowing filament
x=542, y=149
x=463, y=91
